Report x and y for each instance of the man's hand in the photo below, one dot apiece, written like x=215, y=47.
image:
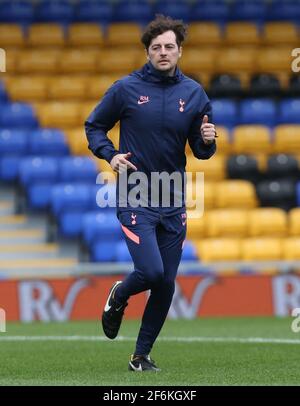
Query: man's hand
x=208, y=131
x=119, y=163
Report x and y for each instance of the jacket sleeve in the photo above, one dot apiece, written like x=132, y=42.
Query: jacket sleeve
x=105, y=115
x=199, y=148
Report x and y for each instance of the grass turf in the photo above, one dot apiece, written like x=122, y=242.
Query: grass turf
x=104, y=362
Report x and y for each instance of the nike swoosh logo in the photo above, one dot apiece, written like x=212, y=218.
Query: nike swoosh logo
x=139, y=368
x=143, y=102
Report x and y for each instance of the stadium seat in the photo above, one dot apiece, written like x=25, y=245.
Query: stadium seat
x=54, y=11
x=68, y=88
x=264, y=85
x=227, y=223
x=101, y=226
x=82, y=34
x=80, y=61
x=195, y=228
x=3, y=94
x=98, y=85
x=271, y=222
x=69, y=202
x=293, y=86
x=18, y=11
x=134, y=11
x=213, y=169
x=13, y=145
x=219, y=249
x=282, y=166
x=258, y=111
x=225, y=86
x=49, y=142
x=43, y=35
x=123, y=61
x=122, y=253
x=210, y=11
x=243, y=167
x=225, y=112
x=38, y=61
x=18, y=115
x=77, y=141
x=235, y=194
x=60, y=114
x=103, y=251
x=92, y=11
x=189, y=252
x=298, y=193
x=198, y=60
x=294, y=222
x=203, y=34
x=287, y=139
x=224, y=145
x=11, y=35
x=251, y=139
x=289, y=111
x=291, y=249
x=248, y=11
x=174, y=10
x=37, y=175
x=274, y=60
x=78, y=169
x=280, y=194
x=241, y=33
x=280, y=33
x=123, y=34
x=29, y=88
x=262, y=249
x=207, y=188
x=284, y=11
x=236, y=60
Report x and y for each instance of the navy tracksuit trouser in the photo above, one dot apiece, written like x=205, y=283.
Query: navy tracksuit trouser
x=155, y=243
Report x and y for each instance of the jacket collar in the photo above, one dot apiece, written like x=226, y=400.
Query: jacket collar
x=150, y=74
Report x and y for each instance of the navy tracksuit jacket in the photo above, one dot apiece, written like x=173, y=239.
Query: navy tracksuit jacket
x=158, y=115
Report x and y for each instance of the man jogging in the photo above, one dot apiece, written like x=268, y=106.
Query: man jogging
x=159, y=109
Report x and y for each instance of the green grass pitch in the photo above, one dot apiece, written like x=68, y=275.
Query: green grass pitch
x=228, y=351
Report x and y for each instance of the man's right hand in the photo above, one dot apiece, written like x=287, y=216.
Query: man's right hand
x=120, y=163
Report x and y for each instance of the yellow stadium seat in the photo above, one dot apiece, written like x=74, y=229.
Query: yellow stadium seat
x=227, y=223
x=195, y=227
x=123, y=61
x=241, y=33
x=224, y=146
x=29, y=88
x=194, y=194
x=87, y=108
x=123, y=34
x=98, y=85
x=235, y=60
x=60, y=114
x=42, y=35
x=267, y=222
x=39, y=61
x=12, y=57
x=203, y=34
x=235, y=194
x=198, y=60
x=79, y=60
x=291, y=249
x=262, y=249
x=294, y=222
x=83, y=34
x=287, y=138
x=11, y=35
x=219, y=249
x=274, y=60
x=77, y=141
x=105, y=167
x=68, y=88
x=251, y=139
x=213, y=169
x=278, y=33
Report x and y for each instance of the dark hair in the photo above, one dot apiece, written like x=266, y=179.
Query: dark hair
x=162, y=24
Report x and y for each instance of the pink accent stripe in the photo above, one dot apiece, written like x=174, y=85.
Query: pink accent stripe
x=135, y=238
x=183, y=244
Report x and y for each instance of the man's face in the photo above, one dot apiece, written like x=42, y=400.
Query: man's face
x=164, y=53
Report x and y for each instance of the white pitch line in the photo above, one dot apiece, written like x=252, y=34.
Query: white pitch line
x=246, y=340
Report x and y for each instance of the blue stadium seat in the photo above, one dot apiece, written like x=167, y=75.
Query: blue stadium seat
x=69, y=202
x=284, y=11
x=189, y=252
x=298, y=194
x=210, y=11
x=18, y=116
x=174, y=10
x=3, y=94
x=103, y=196
x=100, y=226
x=122, y=253
x=19, y=11
x=37, y=175
x=47, y=141
x=248, y=11
x=78, y=169
x=91, y=11
x=289, y=111
x=13, y=145
x=103, y=251
x=54, y=11
x=137, y=11
x=225, y=112
x=258, y=111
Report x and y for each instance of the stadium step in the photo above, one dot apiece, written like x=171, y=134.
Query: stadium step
x=13, y=221
x=22, y=236
x=37, y=264
x=28, y=251
x=6, y=207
